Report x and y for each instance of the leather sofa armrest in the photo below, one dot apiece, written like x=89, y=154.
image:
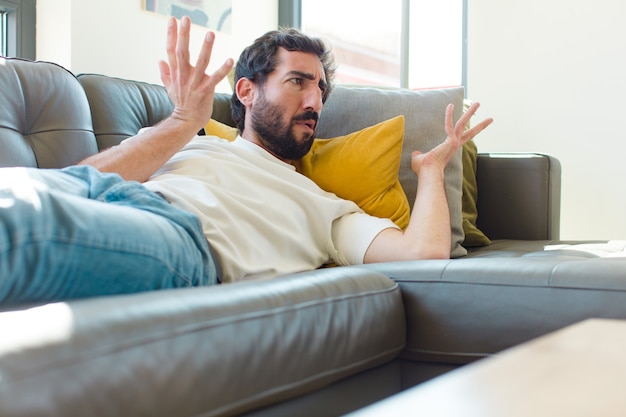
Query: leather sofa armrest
x=519, y=196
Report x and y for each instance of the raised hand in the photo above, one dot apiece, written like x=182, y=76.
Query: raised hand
x=440, y=156
x=189, y=87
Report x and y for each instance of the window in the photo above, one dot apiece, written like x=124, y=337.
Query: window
x=4, y=46
x=364, y=34
x=17, y=28
x=435, y=43
x=407, y=43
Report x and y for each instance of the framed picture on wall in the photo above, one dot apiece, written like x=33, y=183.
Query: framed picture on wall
x=213, y=14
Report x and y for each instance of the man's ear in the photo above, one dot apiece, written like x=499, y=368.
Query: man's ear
x=245, y=91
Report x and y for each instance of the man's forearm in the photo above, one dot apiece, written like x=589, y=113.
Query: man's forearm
x=141, y=156
x=428, y=235
x=430, y=220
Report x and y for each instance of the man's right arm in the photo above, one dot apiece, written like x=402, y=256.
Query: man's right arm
x=192, y=92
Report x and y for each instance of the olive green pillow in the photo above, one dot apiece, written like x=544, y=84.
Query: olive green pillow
x=473, y=235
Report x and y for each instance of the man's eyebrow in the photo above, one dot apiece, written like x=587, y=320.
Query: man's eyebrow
x=306, y=75
x=301, y=74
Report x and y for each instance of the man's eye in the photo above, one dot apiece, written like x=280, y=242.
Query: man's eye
x=296, y=81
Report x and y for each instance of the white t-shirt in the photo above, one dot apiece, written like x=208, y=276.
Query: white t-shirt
x=260, y=216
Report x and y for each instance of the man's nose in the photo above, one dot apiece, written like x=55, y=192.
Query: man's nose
x=313, y=99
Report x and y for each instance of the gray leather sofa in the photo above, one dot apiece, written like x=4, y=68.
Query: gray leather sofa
x=318, y=343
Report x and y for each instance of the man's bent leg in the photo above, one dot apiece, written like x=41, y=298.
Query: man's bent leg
x=55, y=244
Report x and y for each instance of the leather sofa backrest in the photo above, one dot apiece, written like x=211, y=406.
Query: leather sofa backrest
x=136, y=105
x=45, y=116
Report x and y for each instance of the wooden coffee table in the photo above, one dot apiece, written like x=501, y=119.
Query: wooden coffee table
x=577, y=371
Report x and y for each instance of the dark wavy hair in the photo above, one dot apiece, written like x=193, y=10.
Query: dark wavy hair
x=258, y=60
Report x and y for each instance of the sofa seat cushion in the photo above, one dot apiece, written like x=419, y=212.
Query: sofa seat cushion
x=550, y=248
x=219, y=350
x=505, y=294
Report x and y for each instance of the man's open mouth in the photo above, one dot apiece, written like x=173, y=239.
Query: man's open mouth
x=309, y=119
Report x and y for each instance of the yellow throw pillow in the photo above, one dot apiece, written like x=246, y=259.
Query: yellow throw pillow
x=221, y=130
x=361, y=166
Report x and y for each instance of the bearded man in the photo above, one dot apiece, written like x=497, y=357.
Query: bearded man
x=167, y=208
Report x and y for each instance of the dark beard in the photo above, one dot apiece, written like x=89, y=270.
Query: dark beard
x=278, y=138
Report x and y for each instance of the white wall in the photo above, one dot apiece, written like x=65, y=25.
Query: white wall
x=120, y=39
x=552, y=74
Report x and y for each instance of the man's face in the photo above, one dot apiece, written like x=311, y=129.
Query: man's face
x=286, y=109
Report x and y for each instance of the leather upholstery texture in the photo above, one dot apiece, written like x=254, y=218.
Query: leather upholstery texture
x=137, y=105
x=204, y=351
x=520, y=196
x=504, y=294
x=45, y=120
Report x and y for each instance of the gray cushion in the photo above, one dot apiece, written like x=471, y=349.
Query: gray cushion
x=349, y=109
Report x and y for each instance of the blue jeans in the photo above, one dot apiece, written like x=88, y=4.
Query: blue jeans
x=77, y=232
